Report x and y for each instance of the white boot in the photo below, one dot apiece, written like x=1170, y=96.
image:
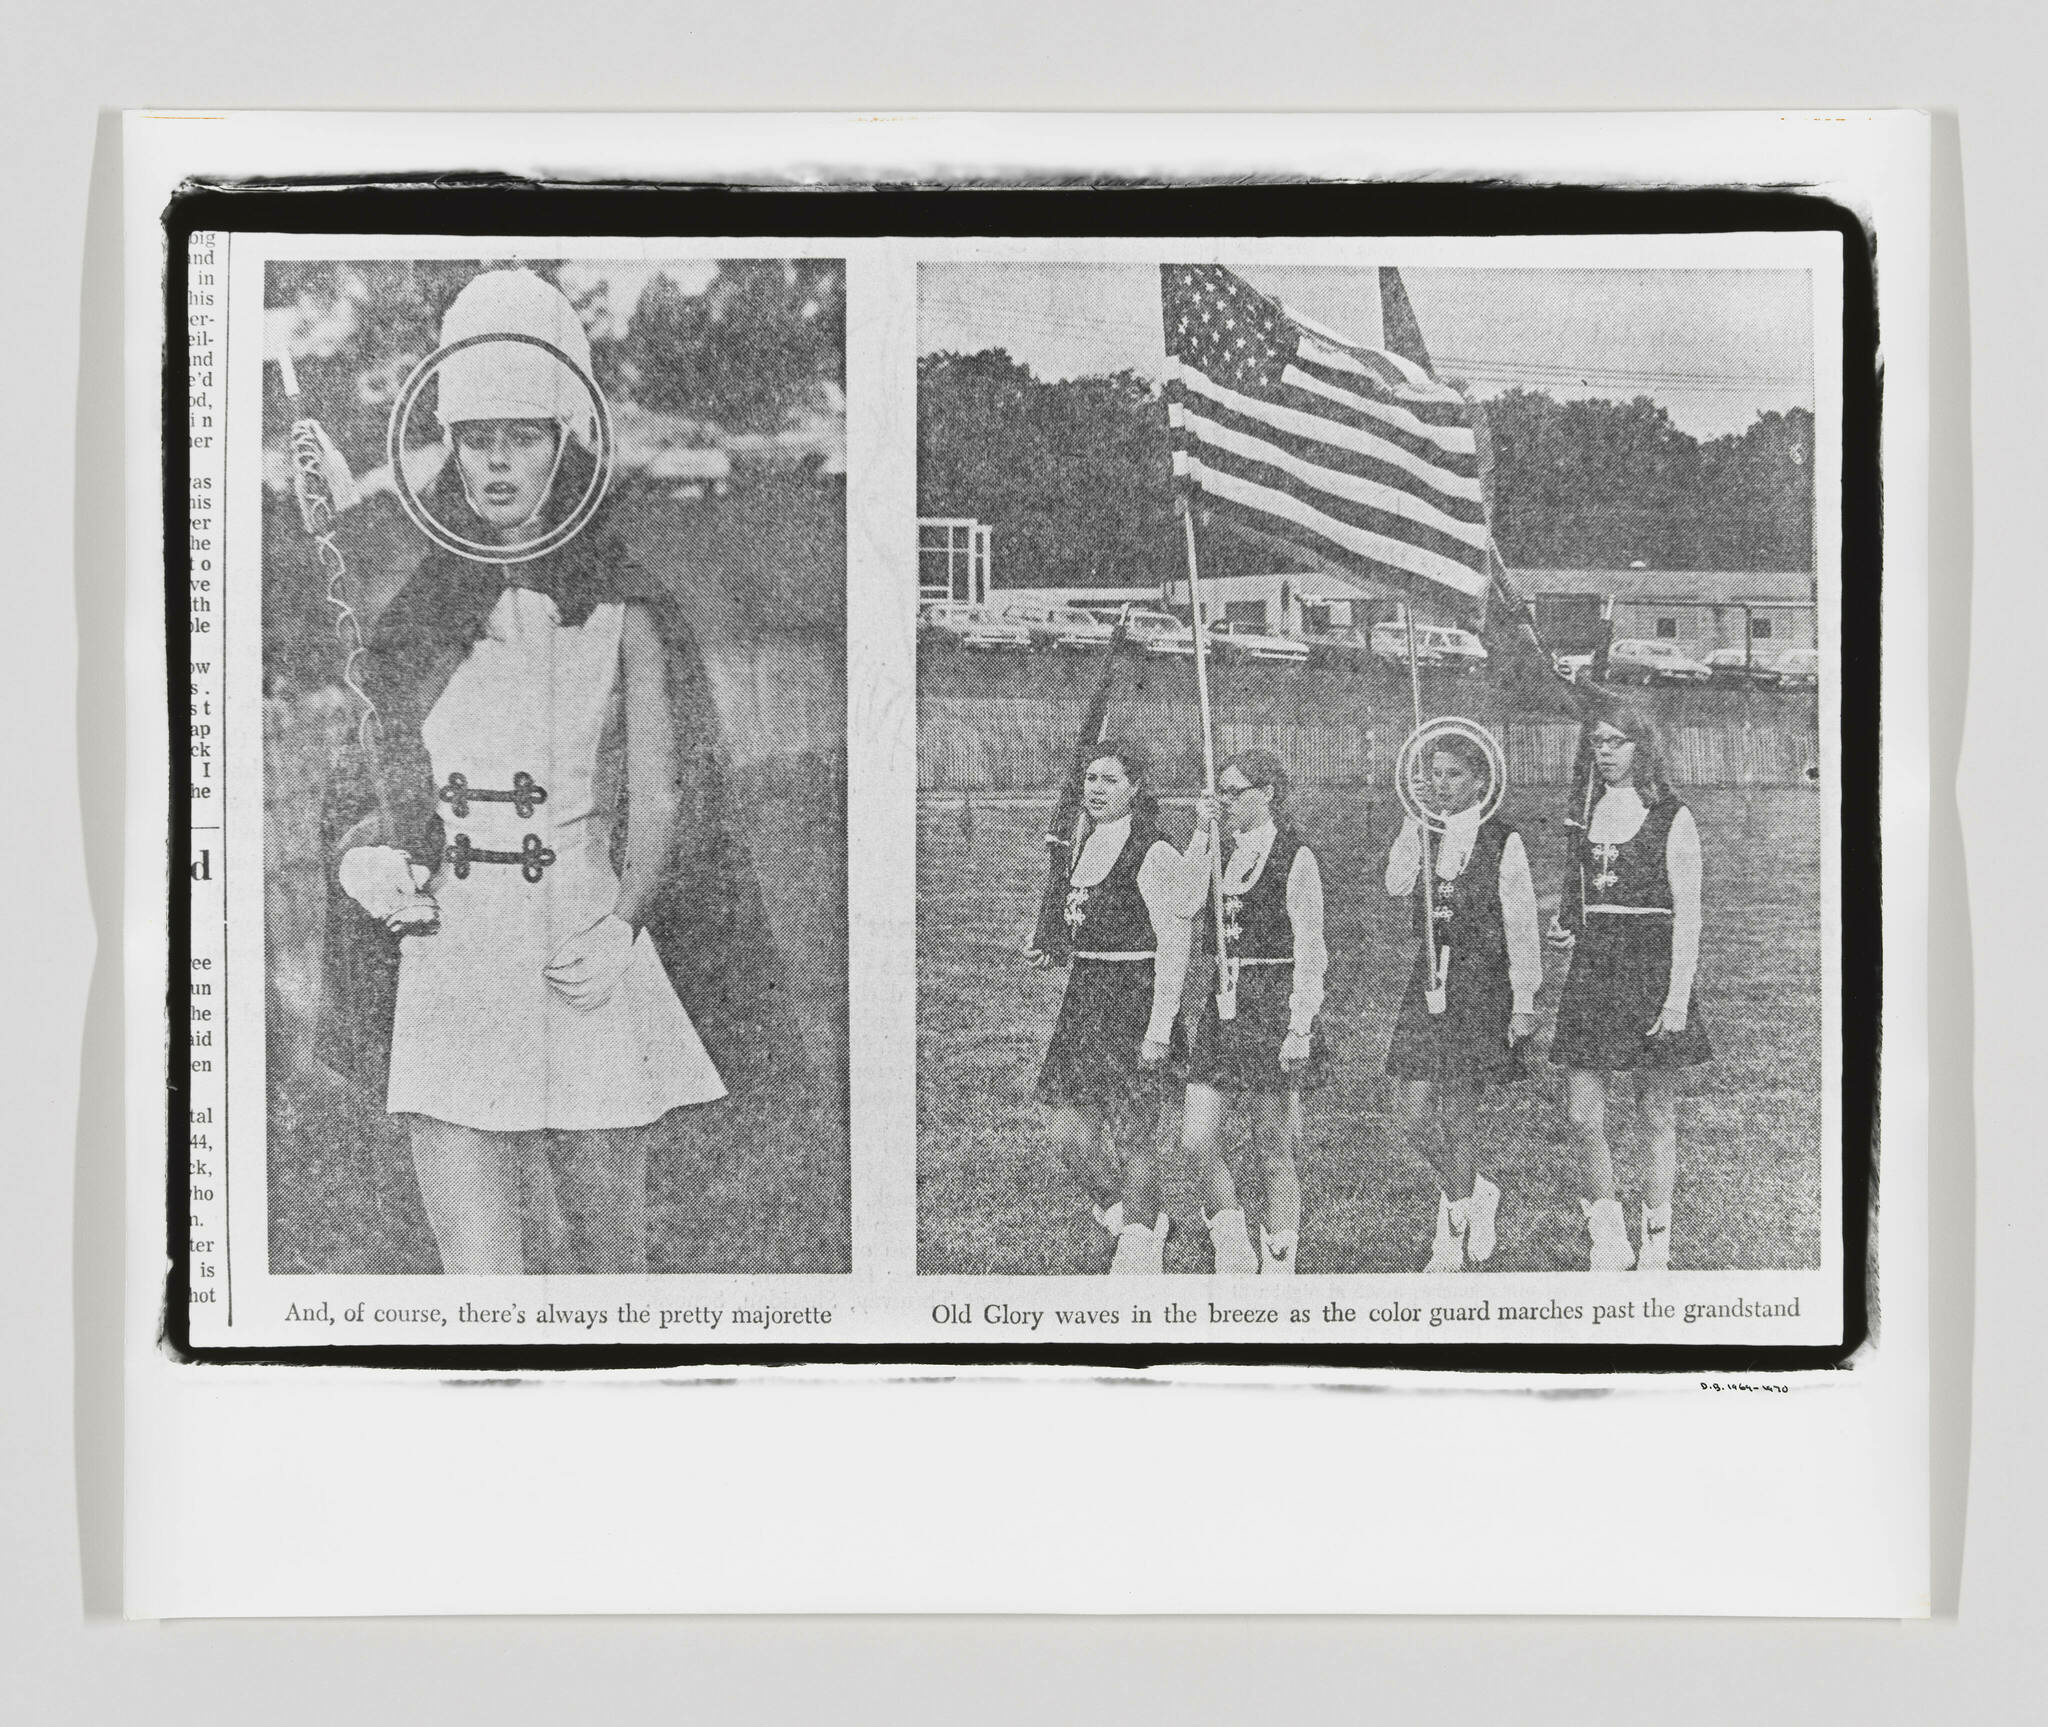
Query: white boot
x=1276, y=1252
x=1479, y=1236
x=1140, y=1252
x=1447, y=1252
x=1232, y=1244
x=1605, y=1224
x=1656, y=1254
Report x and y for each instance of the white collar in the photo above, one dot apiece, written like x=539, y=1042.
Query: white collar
x=1257, y=838
x=1619, y=815
x=1113, y=830
x=1464, y=822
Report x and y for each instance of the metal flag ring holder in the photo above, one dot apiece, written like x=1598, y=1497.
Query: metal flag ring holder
x=483, y=550
x=1411, y=767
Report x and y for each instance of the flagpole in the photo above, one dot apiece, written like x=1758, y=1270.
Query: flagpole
x=1433, y=994
x=1226, y=992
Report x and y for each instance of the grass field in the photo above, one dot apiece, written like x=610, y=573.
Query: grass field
x=993, y=1196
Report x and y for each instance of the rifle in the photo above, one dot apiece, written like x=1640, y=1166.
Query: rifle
x=1050, y=935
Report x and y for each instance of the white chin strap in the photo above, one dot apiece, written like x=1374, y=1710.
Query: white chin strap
x=546, y=492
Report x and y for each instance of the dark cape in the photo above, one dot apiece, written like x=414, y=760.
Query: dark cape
x=707, y=921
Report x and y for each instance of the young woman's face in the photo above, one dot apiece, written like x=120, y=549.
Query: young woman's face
x=1614, y=755
x=507, y=466
x=1108, y=791
x=1245, y=805
x=1452, y=783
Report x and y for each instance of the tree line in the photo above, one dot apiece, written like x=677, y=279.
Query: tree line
x=1073, y=475
x=759, y=344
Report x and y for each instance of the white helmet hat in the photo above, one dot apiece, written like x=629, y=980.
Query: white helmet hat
x=515, y=380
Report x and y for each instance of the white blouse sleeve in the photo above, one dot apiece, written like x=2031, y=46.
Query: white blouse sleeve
x=1173, y=931
x=1311, y=957
x=1193, y=871
x=1682, y=865
x=1518, y=918
x=1404, y=861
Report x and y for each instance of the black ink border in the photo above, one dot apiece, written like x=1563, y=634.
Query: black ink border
x=468, y=204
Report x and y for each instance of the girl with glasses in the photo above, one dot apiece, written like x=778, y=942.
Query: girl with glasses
x=1268, y=1053
x=1630, y=920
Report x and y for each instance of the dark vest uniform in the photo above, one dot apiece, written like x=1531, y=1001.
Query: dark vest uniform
x=1632, y=876
x=1111, y=916
x=1468, y=916
x=1256, y=922
x=1619, y=901
x=1093, y=1061
x=1243, y=1053
x=1469, y=1039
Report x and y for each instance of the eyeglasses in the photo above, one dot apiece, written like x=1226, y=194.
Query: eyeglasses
x=1235, y=791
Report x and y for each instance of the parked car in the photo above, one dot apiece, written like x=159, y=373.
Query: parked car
x=1574, y=668
x=1734, y=666
x=979, y=627
x=1796, y=669
x=1338, y=648
x=1059, y=626
x=1638, y=661
x=1162, y=633
x=1435, y=645
x=1241, y=641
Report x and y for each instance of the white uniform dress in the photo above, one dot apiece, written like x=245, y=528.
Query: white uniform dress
x=478, y=1037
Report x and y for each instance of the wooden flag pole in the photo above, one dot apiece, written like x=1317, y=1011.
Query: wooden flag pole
x=1226, y=988
x=1434, y=997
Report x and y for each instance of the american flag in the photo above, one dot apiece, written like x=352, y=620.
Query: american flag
x=1357, y=455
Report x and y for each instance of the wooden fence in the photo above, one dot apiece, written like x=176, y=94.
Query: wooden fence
x=1020, y=743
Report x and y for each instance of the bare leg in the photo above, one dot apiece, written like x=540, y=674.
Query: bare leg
x=1417, y=1104
x=549, y=1249
x=469, y=1182
x=1585, y=1096
x=1078, y=1135
x=1657, y=1098
x=601, y=1180
x=1141, y=1171
x=1277, y=1131
x=1201, y=1137
x=1460, y=1116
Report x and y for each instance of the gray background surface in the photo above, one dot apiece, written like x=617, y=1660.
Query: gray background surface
x=64, y=1653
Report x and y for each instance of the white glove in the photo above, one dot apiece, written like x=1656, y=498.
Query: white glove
x=589, y=964
x=381, y=879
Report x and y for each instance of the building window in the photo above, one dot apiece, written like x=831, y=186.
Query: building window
x=1667, y=629
x=1760, y=629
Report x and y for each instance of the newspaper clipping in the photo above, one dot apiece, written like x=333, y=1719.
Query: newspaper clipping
x=1365, y=869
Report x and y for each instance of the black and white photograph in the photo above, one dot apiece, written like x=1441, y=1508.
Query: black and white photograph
x=846, y=862
x=1372, y=799
x=553, y=576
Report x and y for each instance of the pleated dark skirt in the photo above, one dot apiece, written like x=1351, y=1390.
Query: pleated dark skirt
x=1092, y=1061
x=1469, y=1039
x=1620, y=972
x=1243, y=1054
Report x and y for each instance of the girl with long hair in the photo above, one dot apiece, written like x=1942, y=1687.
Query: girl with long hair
x=1101, y=1080
x=1630, y=920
